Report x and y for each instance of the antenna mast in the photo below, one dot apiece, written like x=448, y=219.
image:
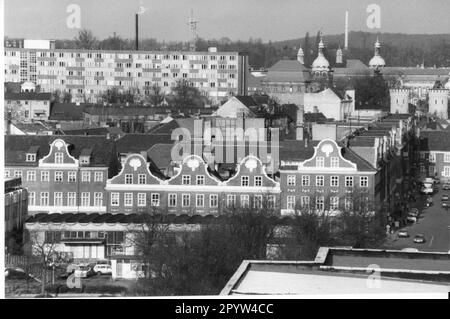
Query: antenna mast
x=192, y=23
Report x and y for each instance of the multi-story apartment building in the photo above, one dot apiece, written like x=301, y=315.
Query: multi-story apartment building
x=62, y=174
x=86, y=74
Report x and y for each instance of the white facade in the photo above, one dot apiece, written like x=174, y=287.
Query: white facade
x=438, y=103
x=399, y=101
x=328, y=103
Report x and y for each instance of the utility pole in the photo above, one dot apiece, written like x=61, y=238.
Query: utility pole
x=192, y=23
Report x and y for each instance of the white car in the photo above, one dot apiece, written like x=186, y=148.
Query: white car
x=83, y=272
x=427, y=190
x=103, y=269
x=411, y=219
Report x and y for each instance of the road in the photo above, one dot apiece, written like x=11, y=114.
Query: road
x=434, y=223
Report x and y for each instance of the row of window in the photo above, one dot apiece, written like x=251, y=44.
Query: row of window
x=58, y=176
x=320, y=181
x=432, y=157
x=70, y=199
x=305, y=202
x=111, y=237
x=198, y=200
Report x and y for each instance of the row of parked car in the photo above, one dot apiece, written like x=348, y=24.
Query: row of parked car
x=88, y=270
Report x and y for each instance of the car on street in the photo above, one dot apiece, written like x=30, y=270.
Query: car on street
x=84, y=272
x=410, y=250
x=426, y=190
x=403, y=233
x=445, y=204
x=419, y=239
x=414, y=212
x=102, y=269
x=446, y=186
x=437, y=180
x=444, y=197
x=411, y=219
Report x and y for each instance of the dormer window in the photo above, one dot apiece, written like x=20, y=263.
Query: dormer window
x=84, y=160
x=85, y=156
x=31, y=158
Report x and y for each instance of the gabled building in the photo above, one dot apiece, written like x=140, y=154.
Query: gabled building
x=62, y=173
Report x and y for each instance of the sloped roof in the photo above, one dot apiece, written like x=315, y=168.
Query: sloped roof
x=28, y=96
x=314, y=117
x=435, y=141
x=136, y=143
x=231, y=110
x=67, y=112
x=16, y=147
x=287, y=71
x=247, y=100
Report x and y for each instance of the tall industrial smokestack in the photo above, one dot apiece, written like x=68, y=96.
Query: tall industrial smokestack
x=137, y=31
x=346, y=31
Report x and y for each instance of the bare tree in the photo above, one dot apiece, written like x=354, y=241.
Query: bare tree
x=156, y=96
x=86, y=40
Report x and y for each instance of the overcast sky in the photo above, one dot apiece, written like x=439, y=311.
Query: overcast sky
x=236, y=19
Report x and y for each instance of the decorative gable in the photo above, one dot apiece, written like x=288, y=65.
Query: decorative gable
x=196, y=168
x=252, y=169
x=59, y=156
x=135, y=170
x=328, y=156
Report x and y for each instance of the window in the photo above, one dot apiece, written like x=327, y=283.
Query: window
x=31, y=198
x=290, y=202
x=319, y=161
x=245, y=201
x=348, y=203
x=128, y=178
x=245, y=181
x=58, y=176
x=59, y=157
x=432, y=158
x=422, y=155
x=7, y=174
x=231, y=200
x=71, y=199
x=431, y=170
x=446, y=171
x=128, y=199
x=57, y=198
x=334, y=203
x=258, y=180
x=199, y=200
x=271, y=201
x=213, y=200
x=320, y=180
x=186, y=180
x=186, y=202
x=172, y=200
x=447, y=158
x=258, y=201
x=304, y=202
x=334, y=161
x=291, y=180
x=85, y=199
x=348, y=181
x=154, y=199
x=84, y=160
x=17, y=174
x=98, y=199
x=44, y=198
x=86, y=177
x=334, y=181
x=45, y=176
x=320, y=203
x=30, y=158
x=72, y=177
x=98, y=177
x=364, y=181
x=305, y=180
x=200, y=180
x=31, y=176
x=115, y=199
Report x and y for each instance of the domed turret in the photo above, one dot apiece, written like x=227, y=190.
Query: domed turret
x=300, y=56
x=377, y=61
x=320, y=64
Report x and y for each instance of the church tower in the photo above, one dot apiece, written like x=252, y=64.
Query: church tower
x=320, y=66
x=377, y=61
x=301, y=56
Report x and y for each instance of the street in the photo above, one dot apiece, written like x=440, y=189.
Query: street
x=434, y=224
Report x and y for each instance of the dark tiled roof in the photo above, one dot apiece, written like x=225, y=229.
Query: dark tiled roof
x=28, y=96
x=248, y=101
x=136, y=143
x=16, y=147
x=67, y=112
x=435, y=141
x=314, y=117
x=362, y=141
x=287, y=71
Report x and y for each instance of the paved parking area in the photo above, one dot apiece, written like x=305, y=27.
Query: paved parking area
x=434, y=223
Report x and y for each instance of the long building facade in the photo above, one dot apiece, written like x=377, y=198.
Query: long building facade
x=86, y=74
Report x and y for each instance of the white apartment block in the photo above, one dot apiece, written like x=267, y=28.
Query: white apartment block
x=86, y=74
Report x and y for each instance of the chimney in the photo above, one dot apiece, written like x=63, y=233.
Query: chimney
x=299, y=123
x=346, y=31
x=137, y=32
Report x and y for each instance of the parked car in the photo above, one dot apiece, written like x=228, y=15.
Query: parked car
x=445, y=204
x=419, y=239
x=444, y=197
x=437, y=180
x=411, y=219
x=403, y=233
x=426, y=190
x=414, y=212
x=84, y=272
x=103, y=269
x=410, y=250
x=446, y=186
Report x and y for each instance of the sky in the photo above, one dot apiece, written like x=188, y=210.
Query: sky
x=236, y=19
